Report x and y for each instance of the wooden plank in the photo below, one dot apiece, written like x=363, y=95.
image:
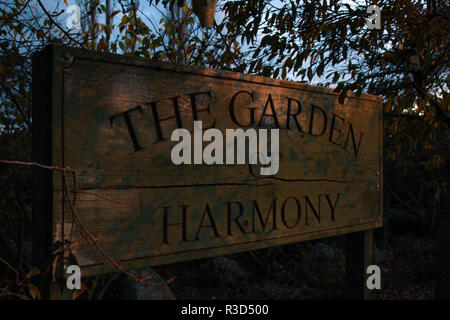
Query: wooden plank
x=358, y=257
x=42, y=192
x=112, y=117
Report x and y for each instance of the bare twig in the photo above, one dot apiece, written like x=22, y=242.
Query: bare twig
x=93, y=243
x=9, y=293
x=12, y=268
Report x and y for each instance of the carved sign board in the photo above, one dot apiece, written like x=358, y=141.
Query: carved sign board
x=110, y=118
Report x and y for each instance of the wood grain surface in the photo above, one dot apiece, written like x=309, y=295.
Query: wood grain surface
x=111, y=118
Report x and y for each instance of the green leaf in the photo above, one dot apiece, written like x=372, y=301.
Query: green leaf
x=335, y=77
x=33, y=272
x=320, y=69
x=34, y=292
x=342, y=96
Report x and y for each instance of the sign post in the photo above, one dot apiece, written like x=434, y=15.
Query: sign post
x=111, y=118
x=357, y=258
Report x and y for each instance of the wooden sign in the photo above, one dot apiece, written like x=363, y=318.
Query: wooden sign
x=110, y=118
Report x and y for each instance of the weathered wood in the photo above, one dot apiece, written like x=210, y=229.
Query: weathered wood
x=42, y=192
x=112, y=117
x=357, y=258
